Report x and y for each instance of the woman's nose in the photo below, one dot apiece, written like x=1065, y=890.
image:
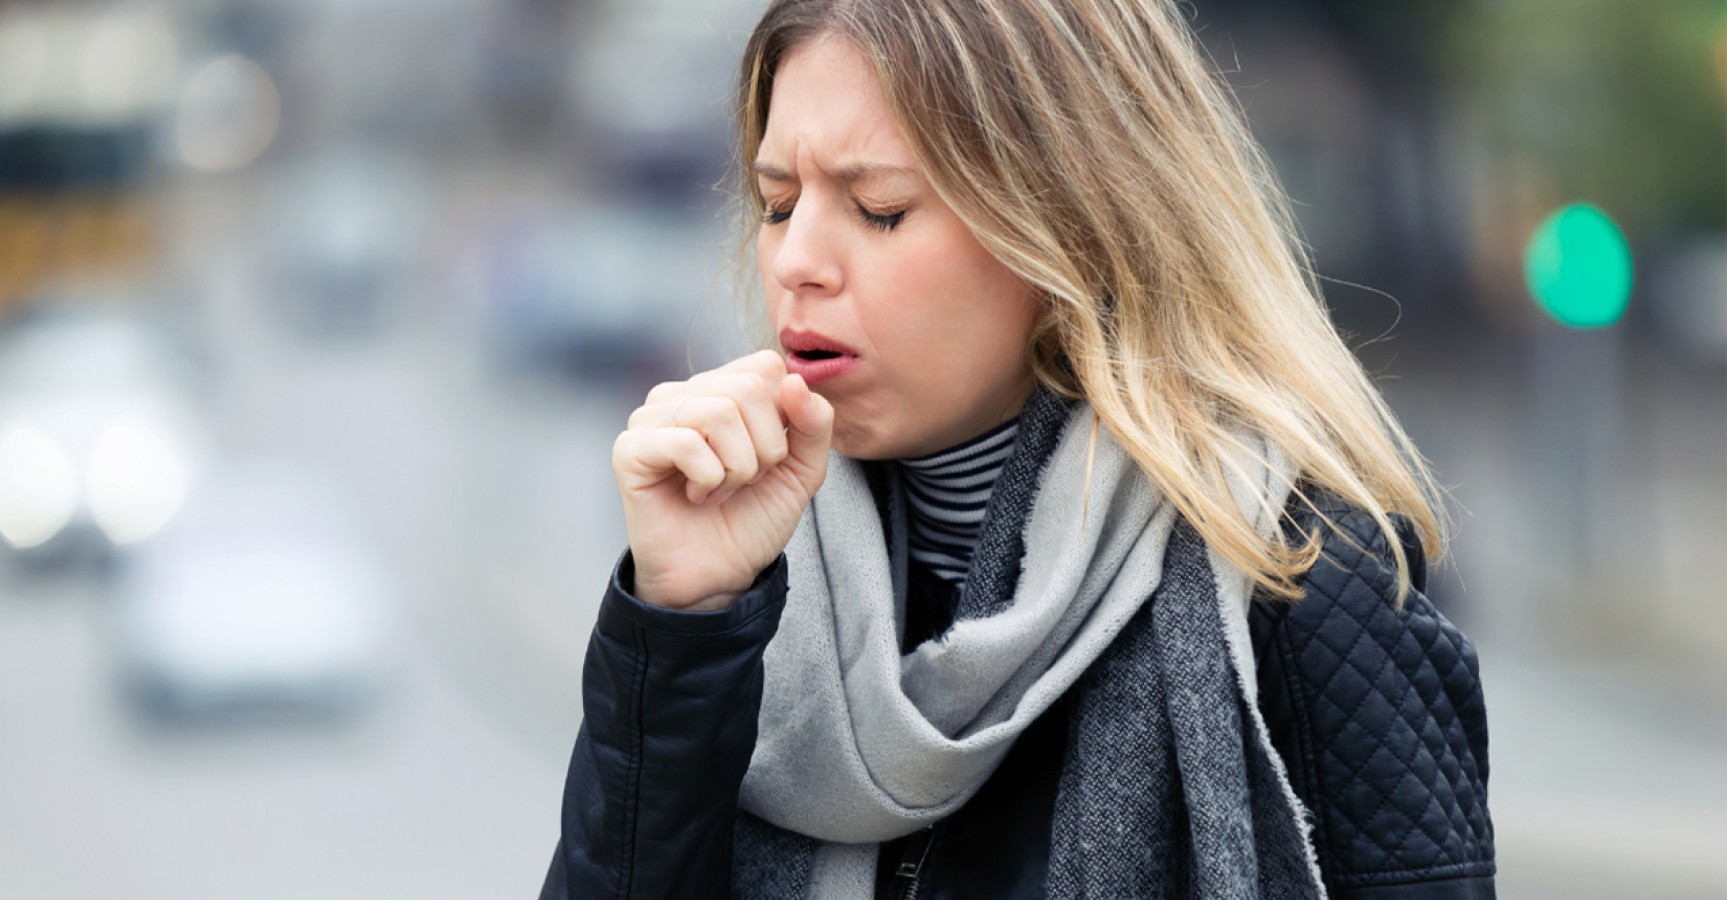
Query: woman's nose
x=806, y=259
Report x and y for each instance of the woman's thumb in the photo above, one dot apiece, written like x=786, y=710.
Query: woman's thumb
x=811, y=417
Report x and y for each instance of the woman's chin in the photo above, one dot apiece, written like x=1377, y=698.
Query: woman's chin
x=847, y=447
x=862, y=443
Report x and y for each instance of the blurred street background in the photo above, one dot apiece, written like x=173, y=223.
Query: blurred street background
x=318, y=318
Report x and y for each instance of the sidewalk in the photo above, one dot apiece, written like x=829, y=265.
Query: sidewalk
x=1607, y=782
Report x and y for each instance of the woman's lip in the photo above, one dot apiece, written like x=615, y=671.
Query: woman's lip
x=816, y=371
x=793, y=341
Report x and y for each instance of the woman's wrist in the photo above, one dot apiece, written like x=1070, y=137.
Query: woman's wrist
x=714, y=603
x=656, y=593
x=621, y=605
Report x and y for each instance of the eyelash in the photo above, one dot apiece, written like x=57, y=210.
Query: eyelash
x=875, y=221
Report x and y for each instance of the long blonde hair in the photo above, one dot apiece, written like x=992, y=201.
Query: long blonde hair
x=1091, y=149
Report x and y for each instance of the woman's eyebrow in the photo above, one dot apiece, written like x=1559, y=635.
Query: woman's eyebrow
x=771, y=172
x=846, y=175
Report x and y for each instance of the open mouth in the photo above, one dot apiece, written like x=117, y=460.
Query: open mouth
x=817, y=359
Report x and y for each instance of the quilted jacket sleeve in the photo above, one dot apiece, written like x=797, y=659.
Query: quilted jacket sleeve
x=669, y=705
x=1379, y=715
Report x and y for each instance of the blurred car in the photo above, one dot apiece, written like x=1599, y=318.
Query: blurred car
x=603, y=294
x=651, y=89
x=101, y=434
x=345, y=230
x=260, y=595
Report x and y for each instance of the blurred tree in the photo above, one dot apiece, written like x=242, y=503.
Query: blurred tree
x=1613, y=101
x=1468, y=122
x=1399, y=42
x=1357, y=131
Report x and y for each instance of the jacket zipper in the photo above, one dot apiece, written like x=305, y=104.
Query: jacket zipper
x=911, y=862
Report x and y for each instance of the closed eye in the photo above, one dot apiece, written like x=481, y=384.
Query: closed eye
x=775, y=215
x=881, y=221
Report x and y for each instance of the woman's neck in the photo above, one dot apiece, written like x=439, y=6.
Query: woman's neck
x=949, y=492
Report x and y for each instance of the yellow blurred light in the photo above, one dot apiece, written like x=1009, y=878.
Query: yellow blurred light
x=70, y=236
x=137, y=480
x=1721, y=61
x=38, y=487
x=229, y=112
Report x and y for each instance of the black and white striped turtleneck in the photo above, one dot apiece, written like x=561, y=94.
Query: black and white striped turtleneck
x=949, y=492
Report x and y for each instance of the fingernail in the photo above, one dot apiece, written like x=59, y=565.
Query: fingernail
x=722, y=496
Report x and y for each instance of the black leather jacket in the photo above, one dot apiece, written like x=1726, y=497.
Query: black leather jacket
x=1377, y=713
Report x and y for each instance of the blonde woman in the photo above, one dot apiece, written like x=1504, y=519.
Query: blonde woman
x=1056, y=547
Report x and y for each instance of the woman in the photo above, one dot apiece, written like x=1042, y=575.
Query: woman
x=1059, y=548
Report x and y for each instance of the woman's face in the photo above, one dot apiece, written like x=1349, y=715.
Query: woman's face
x=858, y=254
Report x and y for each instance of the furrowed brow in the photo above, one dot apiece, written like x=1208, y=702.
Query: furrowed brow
x=771, y=172
x=845, y=175
x=861, y=171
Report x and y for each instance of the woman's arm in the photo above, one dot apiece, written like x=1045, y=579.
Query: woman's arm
x=669, y=702
x=714, y=474
x=1379, y=715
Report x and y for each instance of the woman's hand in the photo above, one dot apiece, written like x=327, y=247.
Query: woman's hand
x=715, y=473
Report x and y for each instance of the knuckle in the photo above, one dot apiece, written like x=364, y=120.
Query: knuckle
x=695, y=415
x=740, y=384
x=708, y=477
x=761, y=391
x=749, y=392
x=689, y=412
x=687, y=441
x=719, y=411
x=720, y=384
x=772, y=361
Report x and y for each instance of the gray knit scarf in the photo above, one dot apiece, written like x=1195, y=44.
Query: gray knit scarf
x=1096, y=592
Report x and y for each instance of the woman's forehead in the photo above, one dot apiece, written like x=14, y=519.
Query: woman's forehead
x=828, y=111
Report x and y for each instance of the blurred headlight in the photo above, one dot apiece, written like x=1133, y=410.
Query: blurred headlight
x=138, y=476
x=38, y=487
x=229, y=112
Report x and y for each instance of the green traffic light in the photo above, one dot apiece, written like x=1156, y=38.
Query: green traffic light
x=1579, y=267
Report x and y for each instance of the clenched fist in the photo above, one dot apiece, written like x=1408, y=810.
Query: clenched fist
x=714, y=473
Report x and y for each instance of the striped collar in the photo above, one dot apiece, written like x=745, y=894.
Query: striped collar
x=949, y=492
